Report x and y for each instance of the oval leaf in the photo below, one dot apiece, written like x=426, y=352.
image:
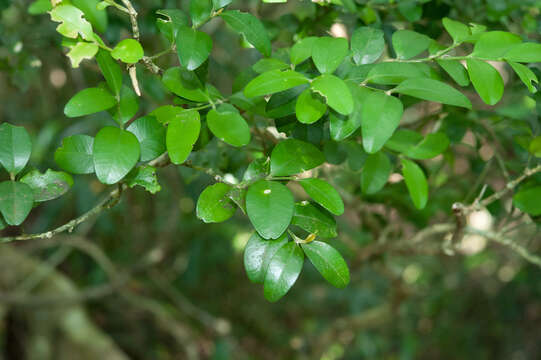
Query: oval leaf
x=309, y=108
x=527, y=200
x=328, y=261
x=494, y=44
x=310, y=218
x=415, y=182
x=115, y=153
x=336, y=92
x=48, y=186
x=324, y=194
x=376, y=170
x=75, y=154
x=213, y=205
x=258, y=254
x=328, y=53
x=15, y=147
x=486, y=80
x=381, y=115
x=284, y=269
x=433, y=90
x=175, y=80
x=16, y=200
x=294, y=156
x=274, y=81
x=151, y=136
x=228, y=125
x=193, y=47
x=182, y=133
x=128, y=51
x=89, y=101
x=251, y=28
x=367, y=45
x=407, y=43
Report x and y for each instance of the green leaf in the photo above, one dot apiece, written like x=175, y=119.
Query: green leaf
x=115, y=153
x=80, y=51
x=218, y=4
x=415, y=182
x=330, y=264
x=284, y=269
x=341, y=127
x=456, y=71
x=324, y=194
x=494, y=44
x=328, y=53
x=174, y=19
x=96, y=17
x=431, y=146
x=535, y=146
x=486, y=80
x=525, y=52
x=411, y=9
x=151, y=136
x=527, y=200
x=407, y=43
x=228, y=125
x=165, y=114
x=403, y=139
x=38, y=7
x=302, y=50
x=251, y=28
x=213, y=205
x=269, y=206
x=264, y=65
x=283, y=103
x=526, y=75
x=48, y=186
x=381, y=115
x=75, y=154
x=200, y=11
x=193, y=47
x=367, y=45
x=128, y=51
x=458, y=31
x=176, y=80
x=258, y=254
x=309, y=108
x=16, y=201
x=15, y=148
x=182, y=133
x=315, y=221
x=258, y=169
x=433, y=90
x=274, y=81
x=127, y=106
x=292, y=156
x=376, y=170
x=89, y=101
x=391, y=73
x=144, y=176
x=72, y=22
x=111, y=71
x=336, y=92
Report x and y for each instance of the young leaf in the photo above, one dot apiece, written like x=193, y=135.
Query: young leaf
x=258, y=254
x=527, y=200
x=228, y=125
x=456, y=71
x=302, y=50
x=151, y=136
x=458, y=31
x=486, y=80
x=115, y=153
x=182, y=133
x=16, y=200
x=309, y=108
x=415, y=182
x=89, y=101
x=269, y=206
x=324, y=194
x=433, y=90
x=336, y=92
x=524, y=53
x=310, y=218
x=328, y=53
x=407, y=43
x=80, y=51
x=330, y=264
x=213, y=205
x=200, y=11
x=274, y=81
x=176, y=80
x=111, y=71
x=15, y=148
x=48, y=186
x=376, y=170
x=167, y=113
x=284, y=269
x=144, y=176
x=292, y=156
x=96, y=17
x=251, y=28
x=494, y=44
x=367, y=45
x=72, y=22
x=75, y=154
x=381, y=115
x=526, y=75
x=193, y=47
x=128, y=51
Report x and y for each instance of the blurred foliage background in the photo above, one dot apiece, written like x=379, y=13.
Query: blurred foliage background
x=148, y=280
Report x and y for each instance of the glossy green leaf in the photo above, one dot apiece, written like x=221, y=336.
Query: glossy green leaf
x=456, y=71
x=292, y=156
x=111, y=71
x=415, y=182
x=213, y=205
x=433, y=90
x=284, y=269
x=182, y=133
x=128, y=51
x=176, y=80
x=391, y=73
x=274, y=81
x=228, y=125
x=367, y=45
x=375, y=173
x=72, y=22
x=535, y=146
x=494, y=44
x=251, y=28
x=270, y=207
x=527, y=200
x=151, y=136
x=431, y=146
x=328, y=261
x=458, y=31
x=486, y=80
x=38, y=7
x=172, y=20
x=200, y=11
x=165, y=114
x=258, y=254
x=313, y=220
x=309, y=108
x=324, y=194
x=342, y=127
x=127, y=106
x=16, y=200
x=218, y=4
x=268, y=64
x=302, y=50
x=407, y=43
x=525, y=52
x=336, y=92
x=80, y=51
x=75, y=154
x=328, y=53
x=144, y=176
x=526, y=75
x=115, y=153
x=193, y=47
x=48, y=186
x=89, y=101
x=96, y=17
x=15, y=148
x=381, y=115
x=258, y=169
